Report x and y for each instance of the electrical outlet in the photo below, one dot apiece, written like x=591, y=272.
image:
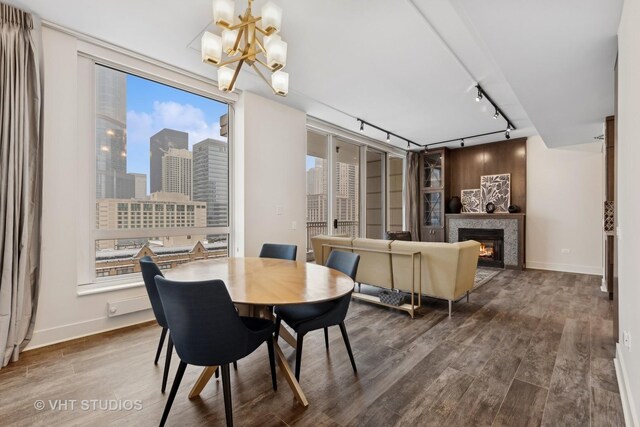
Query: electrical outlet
x=565, y=251
x=626, y=339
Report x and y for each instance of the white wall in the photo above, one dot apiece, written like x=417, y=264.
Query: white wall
x=564, y=207
x=274, y=187
x=63, y=314
x=628, y=204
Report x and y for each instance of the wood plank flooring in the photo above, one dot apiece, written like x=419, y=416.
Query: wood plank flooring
x=531, y=348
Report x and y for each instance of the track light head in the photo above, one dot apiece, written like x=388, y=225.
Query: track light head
x=388, y=137
x=361, y=127
x=408, y=145
x=479, y=95
x=496, y=115
x=507, y=133
x=462, y=143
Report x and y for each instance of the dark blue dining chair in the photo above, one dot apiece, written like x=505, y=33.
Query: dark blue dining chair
x=149, y=271
x=207, y=331
x=305, y=318
x=278, y=251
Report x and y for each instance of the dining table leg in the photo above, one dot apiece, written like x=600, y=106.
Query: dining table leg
x=202, y=381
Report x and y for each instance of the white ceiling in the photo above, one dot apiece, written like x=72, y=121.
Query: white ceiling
x=405, y=65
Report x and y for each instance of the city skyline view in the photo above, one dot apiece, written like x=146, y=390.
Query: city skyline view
x=152, y=107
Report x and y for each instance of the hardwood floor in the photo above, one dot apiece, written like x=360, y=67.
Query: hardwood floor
x=530, y=348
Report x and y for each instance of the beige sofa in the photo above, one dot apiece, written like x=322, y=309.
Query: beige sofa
x=445, y=271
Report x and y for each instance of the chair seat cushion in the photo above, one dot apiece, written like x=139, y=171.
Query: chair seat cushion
x=294, y=315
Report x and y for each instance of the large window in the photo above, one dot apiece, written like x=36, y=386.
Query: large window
x=161, y=174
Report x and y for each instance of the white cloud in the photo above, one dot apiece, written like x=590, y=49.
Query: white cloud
x=171, y=115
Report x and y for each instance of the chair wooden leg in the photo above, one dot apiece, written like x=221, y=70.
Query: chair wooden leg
x=272, y=363
x=167, y=362
x=299, y=355
x=218, y=372
x=172, y=393
x=278, y=323
x=326, y=338
x=163, y=334
x=343, y=329
x=226, y=389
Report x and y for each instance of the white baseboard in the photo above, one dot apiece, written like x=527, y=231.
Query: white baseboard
x=630, y=415
x=568, y=268
x=45, y=337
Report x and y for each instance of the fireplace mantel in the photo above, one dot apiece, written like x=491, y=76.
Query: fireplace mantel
x=513, y=224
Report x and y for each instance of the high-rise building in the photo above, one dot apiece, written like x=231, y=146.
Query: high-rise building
x=177, y=171
x=139, y=185
x=112, y=179
x=159, y=144
x=211, y=179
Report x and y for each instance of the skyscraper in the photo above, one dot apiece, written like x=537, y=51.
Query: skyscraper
x=159, y=144
x=140, y=185
x=177, y=171
x=211, y=179
x=112, y=180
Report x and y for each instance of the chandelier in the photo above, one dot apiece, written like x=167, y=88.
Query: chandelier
x=251, y=40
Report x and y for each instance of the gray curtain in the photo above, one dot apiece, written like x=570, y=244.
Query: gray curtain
x=21, y=179
x=412, y=196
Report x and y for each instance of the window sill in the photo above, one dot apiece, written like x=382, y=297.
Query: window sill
x=110, y=286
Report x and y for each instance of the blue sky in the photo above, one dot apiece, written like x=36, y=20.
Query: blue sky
x=153, y=106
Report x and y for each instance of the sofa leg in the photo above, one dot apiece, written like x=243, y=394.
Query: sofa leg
x=467, y=296
x=450, y=304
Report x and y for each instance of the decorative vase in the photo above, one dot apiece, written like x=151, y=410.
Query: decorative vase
x=513, y=209
x=455, y=205
x=490, y=208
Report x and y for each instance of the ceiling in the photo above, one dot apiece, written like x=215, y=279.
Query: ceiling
x=408, y=66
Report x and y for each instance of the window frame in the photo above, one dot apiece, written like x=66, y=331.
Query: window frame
x=91, y=55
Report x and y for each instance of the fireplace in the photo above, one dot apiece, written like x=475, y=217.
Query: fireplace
x=491, y=245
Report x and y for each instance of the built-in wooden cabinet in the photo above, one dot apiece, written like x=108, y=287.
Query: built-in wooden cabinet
x=433, y=182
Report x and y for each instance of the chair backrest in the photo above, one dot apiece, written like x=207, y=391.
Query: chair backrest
x=345, y=262
x=205, y=327
x=149, y=271
x=275, y=250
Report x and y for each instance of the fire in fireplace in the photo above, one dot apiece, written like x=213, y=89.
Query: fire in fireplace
x=491, y=244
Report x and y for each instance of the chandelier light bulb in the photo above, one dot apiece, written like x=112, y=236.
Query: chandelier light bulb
x=223, y=11
x=271, y=17
x=211, y=47
x=276, y=52
x=229, y=38
x=225, y=75
x=280, y=82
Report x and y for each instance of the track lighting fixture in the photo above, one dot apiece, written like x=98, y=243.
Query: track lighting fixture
x=497, y=114
x=507, y=133
x=479, y=95
x=462, y=142
x=389, y=134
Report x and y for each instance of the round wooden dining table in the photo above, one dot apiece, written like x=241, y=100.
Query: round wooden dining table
x=256, y=285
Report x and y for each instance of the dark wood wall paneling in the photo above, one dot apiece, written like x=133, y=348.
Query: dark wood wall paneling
x=468, y=164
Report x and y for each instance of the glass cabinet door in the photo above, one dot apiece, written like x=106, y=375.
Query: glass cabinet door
x=432, y=216
x=433, y=170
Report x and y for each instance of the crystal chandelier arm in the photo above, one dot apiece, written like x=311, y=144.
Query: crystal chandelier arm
x=255, y=67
